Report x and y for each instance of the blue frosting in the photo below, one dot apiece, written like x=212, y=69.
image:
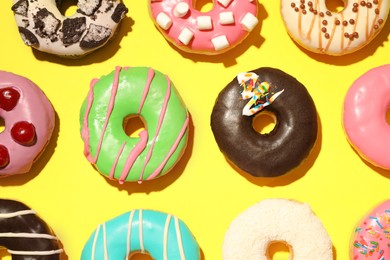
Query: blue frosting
x=112, y=238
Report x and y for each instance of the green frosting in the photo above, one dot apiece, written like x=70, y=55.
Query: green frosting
x=126, y=102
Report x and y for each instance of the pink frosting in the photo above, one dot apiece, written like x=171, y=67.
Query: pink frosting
x=34, y=107
x=201, y=42
x=365, y=107
x=371, y=237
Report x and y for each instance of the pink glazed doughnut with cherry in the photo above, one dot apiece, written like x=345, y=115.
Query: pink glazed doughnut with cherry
x=222, y=28
x=28, y=122
x=370, y=239
x=365, y=124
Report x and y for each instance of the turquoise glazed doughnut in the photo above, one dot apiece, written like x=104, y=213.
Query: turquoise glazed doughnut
x=124, y=93
x=163, y=236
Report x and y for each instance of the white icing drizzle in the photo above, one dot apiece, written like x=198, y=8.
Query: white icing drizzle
x=166, y=229
x=105, y=242
x=131, y=216
x=179, y=240
x=28, y=235
x=141, y=235
x=94, y=242
x=17, y=213
x=49, y=252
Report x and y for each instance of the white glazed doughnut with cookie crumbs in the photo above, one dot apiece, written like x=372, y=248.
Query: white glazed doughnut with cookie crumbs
x=316, y=28
x=43, y=27
x=277, y=220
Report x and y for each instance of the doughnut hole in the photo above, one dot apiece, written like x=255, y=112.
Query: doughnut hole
x=133, y=125
x=279, y=250
x=264, y=122
x=203, y=5
x=388, y=116
x=139, y=256
x=2, y=127
x=335, y=6
x=67, y=7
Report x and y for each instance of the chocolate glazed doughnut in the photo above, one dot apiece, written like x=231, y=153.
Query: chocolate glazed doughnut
x=25, y=235
x=293, y=136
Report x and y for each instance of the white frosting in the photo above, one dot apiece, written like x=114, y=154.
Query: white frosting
x=317, y=29
x=43, y=27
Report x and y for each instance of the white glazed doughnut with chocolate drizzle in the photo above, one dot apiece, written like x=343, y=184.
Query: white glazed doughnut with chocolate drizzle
x=43, y=27
x=313, y=26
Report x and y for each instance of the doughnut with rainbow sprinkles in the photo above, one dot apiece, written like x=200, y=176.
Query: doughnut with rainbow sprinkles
x=216, y=31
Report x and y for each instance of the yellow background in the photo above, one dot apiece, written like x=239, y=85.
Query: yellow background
x=203, y=190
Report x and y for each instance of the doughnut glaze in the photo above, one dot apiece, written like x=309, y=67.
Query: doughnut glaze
x=364, y=116
x=25, y=235
x=23, y=106
x=313, y=26
x=277, y=220
x=286, y=146
x=43, y=27
x=370, y=239
x=142, y=92
x=162, y=236
x=226, y=25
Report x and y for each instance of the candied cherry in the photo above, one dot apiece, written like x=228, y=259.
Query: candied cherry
x=4, y=156
x=23, y=133
x=9, y=97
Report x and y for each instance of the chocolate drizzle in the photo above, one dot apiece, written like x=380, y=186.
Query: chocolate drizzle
x=286, y=146
x=25, y=235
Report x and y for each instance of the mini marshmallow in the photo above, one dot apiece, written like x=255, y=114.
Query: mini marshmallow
x=181, y=9
x=226, y=18
x=204, y=22
x=185, y=35
x=164, y=21
x=225, y=3
x=249, y=21
x=220, y=42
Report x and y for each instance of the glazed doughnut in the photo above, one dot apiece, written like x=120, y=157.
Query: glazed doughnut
x=162, y=236
x=43, y=27
x=370, y=239
x=124, y=93
x=25, y=235
x=213, y=32
x=364, y=121
x=313, y=26
x=28, y=123
x=277, y=220
x=270, y=91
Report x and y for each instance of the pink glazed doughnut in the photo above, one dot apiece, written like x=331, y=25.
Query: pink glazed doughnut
x=28, y=123
x=371, y=238
x=365, y=108
x=212, y=32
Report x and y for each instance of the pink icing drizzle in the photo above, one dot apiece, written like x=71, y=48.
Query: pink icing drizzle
x=160, y=120
x=85, y=129
x=365, y=107
x=146, y=89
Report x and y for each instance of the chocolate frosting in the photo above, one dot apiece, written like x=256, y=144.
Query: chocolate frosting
x=281, y=150
x=21, y=225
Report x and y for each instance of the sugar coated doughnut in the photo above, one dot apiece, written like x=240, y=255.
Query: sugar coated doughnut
x=222, y=28
x=162, y=236
x=313, y=26
x=370, y=239
x=364, y=118
x=127, y=92
x=43, y=27
x=28, y=123
x=25, y=235
x=268, y=91
x=277, y=220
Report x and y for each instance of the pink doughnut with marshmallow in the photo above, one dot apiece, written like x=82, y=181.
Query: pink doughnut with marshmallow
x=365, y=108
x=222, y=28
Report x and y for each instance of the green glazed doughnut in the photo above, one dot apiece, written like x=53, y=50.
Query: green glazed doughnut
x=126, y=92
